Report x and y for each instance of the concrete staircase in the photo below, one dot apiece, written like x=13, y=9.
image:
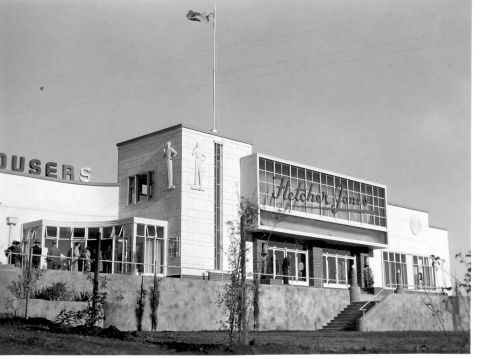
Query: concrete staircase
x=347, y=318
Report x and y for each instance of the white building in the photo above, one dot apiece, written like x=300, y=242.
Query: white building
x=177, y=189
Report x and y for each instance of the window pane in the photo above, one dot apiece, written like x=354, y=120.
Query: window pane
x=160, y=232
x=107, y=232
x=151, y=231
x=140, y=229
x=332, y=269
x=51, y=231
x=92, y=232
x=261, y=163
x=342, y=273
x=269, y=165
x=65, y=232
x=131, y=189
x=142, y=187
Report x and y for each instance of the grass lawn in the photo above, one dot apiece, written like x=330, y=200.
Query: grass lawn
x=38, y=336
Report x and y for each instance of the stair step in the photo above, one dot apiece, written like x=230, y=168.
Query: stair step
x=346, y=320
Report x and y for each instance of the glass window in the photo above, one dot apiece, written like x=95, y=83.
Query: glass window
x=131, y=190
x=160, y=232
x=51, y=232
x=269, y=166
x=140, y=187
x=174, y=247
x=65, y=232
x=353, y=192
x=394, y=263
x=140, y=229
x=107, y=232
x=261, y=163
x=92, y=232
x=150, y=231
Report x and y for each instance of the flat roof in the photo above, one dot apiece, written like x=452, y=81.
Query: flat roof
x=175, y=127
x=407, y=207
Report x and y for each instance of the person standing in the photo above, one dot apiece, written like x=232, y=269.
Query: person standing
x=74, y=257
x=53, y=256
x=368, y=278
x=36, y=254
x=16, y=254
x=8, y=254
x=87, y=260
x=285, y=266
x=108, y=260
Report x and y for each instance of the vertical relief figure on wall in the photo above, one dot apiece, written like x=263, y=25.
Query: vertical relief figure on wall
x=169, y=153
x=198, y=174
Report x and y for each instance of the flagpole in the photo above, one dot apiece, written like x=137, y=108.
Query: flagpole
x=214, y=129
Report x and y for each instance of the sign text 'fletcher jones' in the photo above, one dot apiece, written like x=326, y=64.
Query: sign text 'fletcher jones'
x=332, y=203
x=35, y=168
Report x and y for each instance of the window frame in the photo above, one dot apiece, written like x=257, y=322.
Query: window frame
x=133, y=194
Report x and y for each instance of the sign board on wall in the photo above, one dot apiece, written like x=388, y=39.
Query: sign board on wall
x=286, y=186
x=50, y=169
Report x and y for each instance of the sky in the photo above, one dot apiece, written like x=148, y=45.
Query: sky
x=375, y=89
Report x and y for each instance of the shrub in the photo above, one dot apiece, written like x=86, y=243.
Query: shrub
x=56, y=291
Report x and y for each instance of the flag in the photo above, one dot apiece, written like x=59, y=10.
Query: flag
x=197, y=16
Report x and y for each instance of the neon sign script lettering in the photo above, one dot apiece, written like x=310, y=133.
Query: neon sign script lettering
x=332, y=203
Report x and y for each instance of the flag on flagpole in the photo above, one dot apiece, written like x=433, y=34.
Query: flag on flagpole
x=202, y=17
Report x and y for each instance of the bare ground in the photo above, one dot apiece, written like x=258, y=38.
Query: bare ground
x=39, y=336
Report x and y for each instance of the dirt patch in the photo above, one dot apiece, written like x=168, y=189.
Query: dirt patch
x=34, y=336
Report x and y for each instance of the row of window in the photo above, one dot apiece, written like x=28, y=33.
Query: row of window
x=395, y=270
x=143, y=253
x=286, y=186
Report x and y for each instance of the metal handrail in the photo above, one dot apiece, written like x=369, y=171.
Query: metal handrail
x=375, y=299
x=223, y=273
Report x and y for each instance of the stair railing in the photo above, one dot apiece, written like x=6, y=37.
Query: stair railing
x=376, y=299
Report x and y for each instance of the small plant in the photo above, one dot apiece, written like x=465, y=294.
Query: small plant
x=154, y=301
x=19, y=288
x=93, y=314
x=56, y=291
x=140, y=306
x=234, y=298
x=466, y=259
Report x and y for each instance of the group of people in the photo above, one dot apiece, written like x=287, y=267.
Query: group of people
x=83, y=259
x=80, y=258
x=15, y=254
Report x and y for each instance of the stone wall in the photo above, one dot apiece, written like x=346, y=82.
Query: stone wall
x=400, y=312
x=190, y=304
